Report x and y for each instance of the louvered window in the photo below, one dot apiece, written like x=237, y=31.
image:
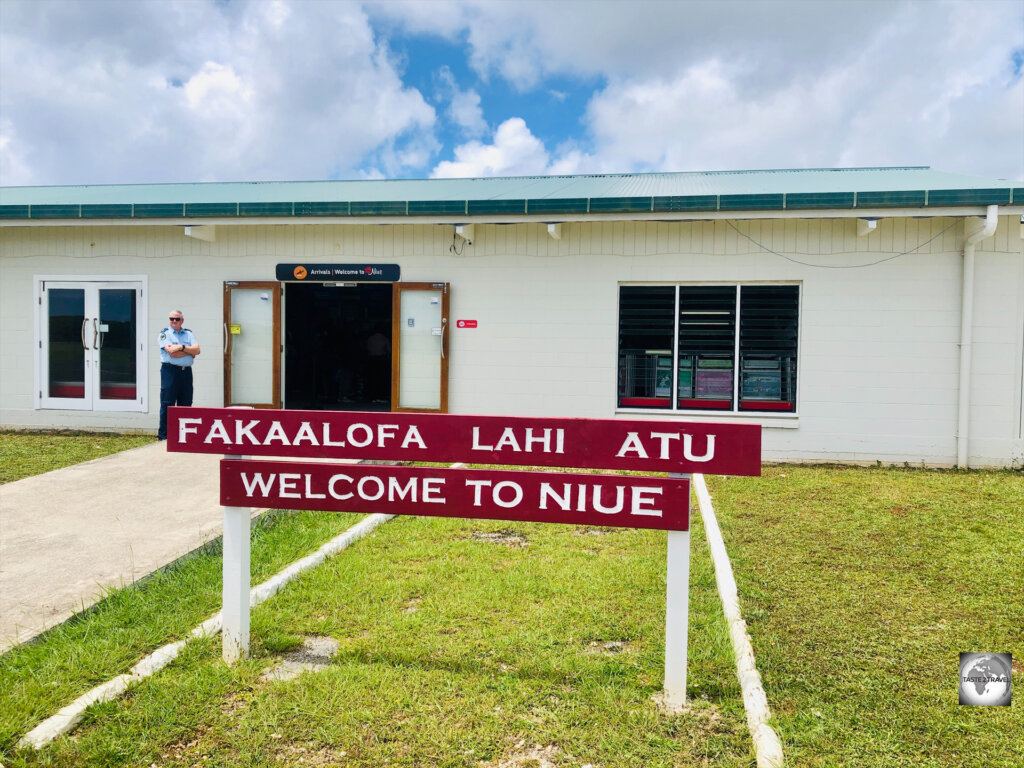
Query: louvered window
x=707, y=346
x=645, y=346
x=768, y=324
x=699, y=332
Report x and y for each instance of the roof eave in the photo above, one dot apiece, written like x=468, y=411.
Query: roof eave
x=451, y=220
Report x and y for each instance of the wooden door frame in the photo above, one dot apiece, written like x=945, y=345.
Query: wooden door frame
x=275, y=289
x=396, y=342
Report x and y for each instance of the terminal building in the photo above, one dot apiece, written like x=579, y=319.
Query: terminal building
x=858, y=315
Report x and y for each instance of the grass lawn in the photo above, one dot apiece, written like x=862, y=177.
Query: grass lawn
x=463, y=643
x=860, y=588
x=23, y=454
x=487, y=645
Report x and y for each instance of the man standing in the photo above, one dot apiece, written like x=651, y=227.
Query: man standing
x=178, y=350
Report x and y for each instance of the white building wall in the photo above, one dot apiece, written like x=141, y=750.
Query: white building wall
x=879, y=354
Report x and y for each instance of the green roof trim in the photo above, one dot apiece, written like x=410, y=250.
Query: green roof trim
x=107, y=211
x=210, y=209
x=969, y=197
x=818, y=200
x=158, y=210
x=437, y=207
x=769, y=202
x=680, y=203
x=558, y=205
x=266, y=209
x=379, y=208
x=322, y=209
x=56, y=211
x=621, y=205
x=813, y=189
x=14, y=211
x=495, y=207
x=895, y=199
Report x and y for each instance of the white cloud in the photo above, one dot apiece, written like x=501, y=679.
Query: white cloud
x=466, y=112
x=701, y=84
x=105, y=92
x=529, y=40
x=514, y=152
x=216, y=88
x=109, y=91
x=13, y=165
x=464, y=107
x=863, y=107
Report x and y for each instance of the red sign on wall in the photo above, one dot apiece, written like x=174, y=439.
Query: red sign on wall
x=465, y=323
x=539, y=497
x=658, y=446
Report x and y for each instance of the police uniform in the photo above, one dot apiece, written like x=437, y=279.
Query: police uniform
x=175, y=374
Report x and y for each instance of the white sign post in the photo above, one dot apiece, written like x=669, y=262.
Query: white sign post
x=677, y=613
x=236, y=580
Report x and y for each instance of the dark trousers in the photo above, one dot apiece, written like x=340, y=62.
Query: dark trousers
x=175, y=389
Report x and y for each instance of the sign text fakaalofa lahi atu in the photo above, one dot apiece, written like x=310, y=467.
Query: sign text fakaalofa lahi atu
x=659, y=446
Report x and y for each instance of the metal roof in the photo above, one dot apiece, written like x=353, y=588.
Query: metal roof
x=808, y=189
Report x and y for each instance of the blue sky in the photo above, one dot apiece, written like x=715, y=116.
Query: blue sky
x=107, y=91
x=552, y=111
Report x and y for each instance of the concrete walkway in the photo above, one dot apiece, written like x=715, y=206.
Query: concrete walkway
x=69, y=534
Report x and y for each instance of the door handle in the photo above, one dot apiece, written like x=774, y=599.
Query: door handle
x=227, y=339
x=85, y=321
x=444, y=330
x=95, y=333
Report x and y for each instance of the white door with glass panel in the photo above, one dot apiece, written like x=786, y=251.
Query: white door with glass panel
x=92, y=345
x=252, y=344
x=419, y=380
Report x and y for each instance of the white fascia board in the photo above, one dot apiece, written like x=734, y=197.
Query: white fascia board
x=844, y=213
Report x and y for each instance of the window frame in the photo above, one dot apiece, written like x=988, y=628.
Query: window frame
x=736, y=411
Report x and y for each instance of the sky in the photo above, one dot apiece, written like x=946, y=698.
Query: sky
x=132, y=91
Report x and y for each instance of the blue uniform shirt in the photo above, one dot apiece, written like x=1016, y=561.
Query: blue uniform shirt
x=170, y=336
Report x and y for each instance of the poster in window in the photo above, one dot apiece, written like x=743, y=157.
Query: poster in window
x=761, y=385
x=685, y=381
x=714, y=384
x=663, y=378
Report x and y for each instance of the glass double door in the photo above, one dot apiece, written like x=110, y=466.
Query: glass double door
x=91, y=351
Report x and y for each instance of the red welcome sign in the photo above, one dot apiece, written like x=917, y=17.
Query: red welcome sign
x=653, y=446
x=539, y=497
x=550, y=497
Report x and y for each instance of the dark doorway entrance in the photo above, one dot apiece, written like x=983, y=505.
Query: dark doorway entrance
x=338, y=346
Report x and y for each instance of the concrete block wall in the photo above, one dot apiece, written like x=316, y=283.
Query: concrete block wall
x=879, y=354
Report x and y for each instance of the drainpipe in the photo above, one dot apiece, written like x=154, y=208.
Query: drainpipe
x=981, y=231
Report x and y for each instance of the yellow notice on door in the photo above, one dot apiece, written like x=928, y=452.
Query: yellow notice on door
x=236, y=330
